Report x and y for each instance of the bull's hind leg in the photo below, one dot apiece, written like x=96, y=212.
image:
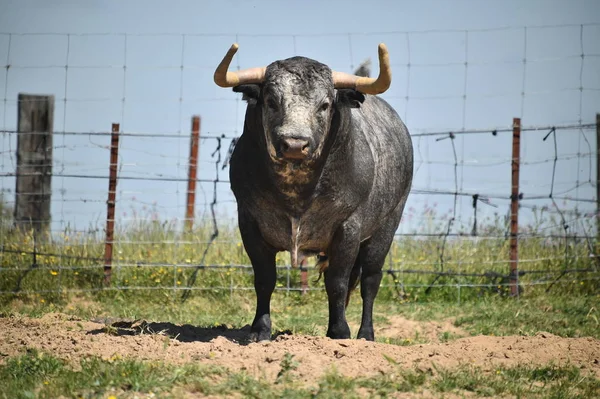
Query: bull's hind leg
x=262, y=257
x=371, y=258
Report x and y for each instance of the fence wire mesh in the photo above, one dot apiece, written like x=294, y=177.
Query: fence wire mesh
x=457, y=101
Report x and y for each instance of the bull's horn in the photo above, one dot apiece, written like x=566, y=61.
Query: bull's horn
x=365, y=85
x=224, y=78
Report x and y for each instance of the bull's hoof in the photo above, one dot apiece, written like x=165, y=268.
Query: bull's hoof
x=258, y=336
x=261, y=329
x=367, y=334
x=339, y=331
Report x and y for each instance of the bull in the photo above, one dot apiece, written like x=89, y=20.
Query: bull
x=323, y=167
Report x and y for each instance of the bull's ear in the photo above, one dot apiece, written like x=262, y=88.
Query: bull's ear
x=251, y=92
x=350, y=98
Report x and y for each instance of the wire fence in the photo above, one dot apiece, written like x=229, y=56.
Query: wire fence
x=457, y=97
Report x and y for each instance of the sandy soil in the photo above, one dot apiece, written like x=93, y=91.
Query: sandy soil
x=71, y=338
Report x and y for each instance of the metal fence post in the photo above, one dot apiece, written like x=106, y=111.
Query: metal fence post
x=110, y=204
x=514, y=208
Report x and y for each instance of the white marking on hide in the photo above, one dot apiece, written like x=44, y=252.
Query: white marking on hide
x=295, y=238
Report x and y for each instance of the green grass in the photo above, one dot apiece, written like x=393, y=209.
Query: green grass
x=563, y=315
x=41, y=375
x=522, y=381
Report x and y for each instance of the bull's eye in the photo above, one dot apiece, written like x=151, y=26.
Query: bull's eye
x=272, y=104
x=324, y=107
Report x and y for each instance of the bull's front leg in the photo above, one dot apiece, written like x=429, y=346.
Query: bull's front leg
x=262, y=257
x=342, y=254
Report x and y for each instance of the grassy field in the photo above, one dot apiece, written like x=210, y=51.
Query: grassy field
x=153, y=262
x=94, y=377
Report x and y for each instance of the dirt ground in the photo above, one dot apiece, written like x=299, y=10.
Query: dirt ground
x=71, y=338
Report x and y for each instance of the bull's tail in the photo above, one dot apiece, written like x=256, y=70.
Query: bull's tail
x=353, y=282
x=322, y=265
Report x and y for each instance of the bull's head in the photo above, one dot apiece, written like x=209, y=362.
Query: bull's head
x=298, y=97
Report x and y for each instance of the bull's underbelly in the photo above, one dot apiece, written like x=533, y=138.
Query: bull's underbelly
x=301, y=240
x=313, y=231
x=307, y=234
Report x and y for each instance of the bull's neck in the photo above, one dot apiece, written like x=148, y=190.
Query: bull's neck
x=296, y=183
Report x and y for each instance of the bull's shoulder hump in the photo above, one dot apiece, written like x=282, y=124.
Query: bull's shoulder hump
x=376, y=116
x=376, y=106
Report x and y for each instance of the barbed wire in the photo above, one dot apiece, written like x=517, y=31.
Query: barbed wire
x=229, y=135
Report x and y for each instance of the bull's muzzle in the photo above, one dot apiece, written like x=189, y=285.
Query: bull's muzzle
x=294, y=148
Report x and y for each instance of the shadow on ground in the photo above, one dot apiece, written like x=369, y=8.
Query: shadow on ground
x=182, y=333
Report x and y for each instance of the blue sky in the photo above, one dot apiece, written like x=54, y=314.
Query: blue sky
x=457, y=65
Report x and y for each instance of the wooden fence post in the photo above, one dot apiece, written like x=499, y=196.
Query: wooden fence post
x=34, y=162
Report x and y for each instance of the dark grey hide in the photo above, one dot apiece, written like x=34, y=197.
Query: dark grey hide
x=319, y=170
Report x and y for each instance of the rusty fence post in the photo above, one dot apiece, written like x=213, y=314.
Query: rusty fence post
x=193, y=170
x=303, y=277
x=514, y=209
x=110, y=204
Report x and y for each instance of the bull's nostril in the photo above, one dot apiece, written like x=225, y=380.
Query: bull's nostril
x=294, y=148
